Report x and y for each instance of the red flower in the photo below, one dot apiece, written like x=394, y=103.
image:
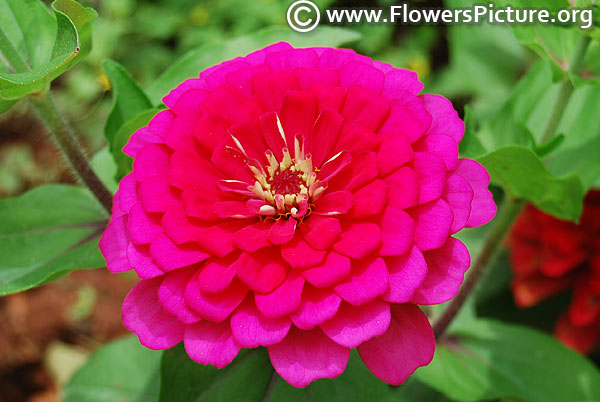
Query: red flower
x=548, y=256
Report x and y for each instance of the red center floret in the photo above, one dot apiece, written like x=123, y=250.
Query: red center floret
x=286, y=182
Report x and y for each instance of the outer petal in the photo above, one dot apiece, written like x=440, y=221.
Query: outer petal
x=316, y=307
x=300, y=255
x=262, y=271
x=358, y=240
x=305, y=356
x=354, y=325
x=216, y=274
x=283, y=300
x=406, y=273
x=459, y=194
x=171, y=256
x=431, y=172
x=397, y=232
x=335, y=268
x=445, y=119
x=143, y=314
x=251, y=328
x=215, y=307
x=210, y=343
x=433, y=223
x=446, y=270
x=171, y=295
x=483, y=208
x=320, y=232
x=369, y=279
x=113, y=245
x=407, y=345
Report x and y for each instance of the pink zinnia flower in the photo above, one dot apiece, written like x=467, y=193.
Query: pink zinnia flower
x=302, y=200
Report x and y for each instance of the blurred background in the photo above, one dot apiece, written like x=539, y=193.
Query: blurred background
x=47, y=332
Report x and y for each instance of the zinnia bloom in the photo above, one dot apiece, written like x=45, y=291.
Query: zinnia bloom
x=302, y=200
x=549, y=256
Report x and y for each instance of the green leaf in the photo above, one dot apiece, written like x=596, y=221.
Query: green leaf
x=522, y=173
x=36, y=46
x=510, y=125
x=549, y=147
x=122, y=160
x=6, y=104
x=581, y=147
x=487, y=359
x=182, y=379
x=470, y=146
x=554, y=42
x=128, y=99
x=47, y=233
x=104, y=166
x=192, y=63
x=251, y=378
x=122, y=371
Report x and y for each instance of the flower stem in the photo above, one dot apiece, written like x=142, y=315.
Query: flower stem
x=67, y=142
x=566, y=89
x=508, y=212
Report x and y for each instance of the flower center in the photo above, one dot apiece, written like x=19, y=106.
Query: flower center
x=288, y=187
x=286, y=182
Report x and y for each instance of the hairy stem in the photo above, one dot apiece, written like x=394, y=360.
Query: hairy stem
x=508, y=212
x=566, y=89
x=67, y=142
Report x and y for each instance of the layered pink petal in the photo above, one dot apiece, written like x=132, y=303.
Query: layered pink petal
x=251, y=328
x=358, y=239
x=143, y=314
x=334, y=268
x=300, y=255
x=283, y=300
x=406, y=273
x=171, y=295
x=432, y=224
x=215, y=307
x=397, y=231
x=321, y=232
x=407, y=345
x=263, y=270
x=316, y=307
x=113, y=245
x=446, y=268
x=369, y=279
x=305, y=356
x=353, y=325
x=211, y=343
x=483, y=208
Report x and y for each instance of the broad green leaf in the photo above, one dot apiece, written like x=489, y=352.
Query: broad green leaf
x=122, y=160
x=487, y=359
x=128, y=99
x=509, y=126
x=470, y=146
x=36, y=46
x=6, y=104
x=122, y=371
x=192, y=63
x=555, y=42
x=47, y=233
x=580, y=150
x=251, y=378
x=521, y=172
x=183, y=380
